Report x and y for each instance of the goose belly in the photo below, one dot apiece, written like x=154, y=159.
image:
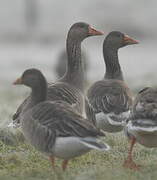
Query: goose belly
x=103, y=122
x=36, y=135
x=143, y=137
x=28, y=130
x=148, y=140
x=69, y=147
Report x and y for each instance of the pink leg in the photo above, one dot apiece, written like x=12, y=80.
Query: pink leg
x=129, y=163
x=52, y=159
x=64, y=164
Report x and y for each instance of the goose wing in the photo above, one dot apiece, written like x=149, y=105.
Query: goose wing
x=58, y=117
x=110, y=96
x=56, y=91
x=145, y=104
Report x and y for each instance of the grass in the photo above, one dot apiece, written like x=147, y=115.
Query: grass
x=23, y=162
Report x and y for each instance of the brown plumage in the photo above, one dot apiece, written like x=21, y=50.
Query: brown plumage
x=53, y=127
x=70, y=87
x=142, y=123
x=110, y=96
x=110, y=99
x=145, y=104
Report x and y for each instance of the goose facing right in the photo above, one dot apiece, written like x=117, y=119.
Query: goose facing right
x=53, y=127
x=70, y=87
x=109, y=99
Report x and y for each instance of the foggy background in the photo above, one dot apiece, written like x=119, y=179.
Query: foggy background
x=33, y=34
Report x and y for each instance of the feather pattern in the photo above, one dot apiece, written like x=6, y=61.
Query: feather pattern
x=70, y=87
x=50, y=120
x=58, y=91
x=110, y=101
x=142, y=123
x=110, y=96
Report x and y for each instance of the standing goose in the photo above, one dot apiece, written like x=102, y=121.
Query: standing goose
x=53, y=127
x=71, y=86
x=110, y=99
x=142, y=124
x=60, y=68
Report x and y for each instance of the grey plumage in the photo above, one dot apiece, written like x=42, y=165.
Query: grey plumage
x=142, y=122
x=110, y=99
x=54, y=127
x=70, y=87
x=49, y=120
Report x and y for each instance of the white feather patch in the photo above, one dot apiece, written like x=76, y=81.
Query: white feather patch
x=89, y=144
x=11, y=125
x=107, y=117
x=112, y=122
x=69, y=147
x=149, y=129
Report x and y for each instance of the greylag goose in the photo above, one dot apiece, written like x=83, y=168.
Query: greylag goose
x=62, y=61
x=53, y=127
x=70, y=87
x=142, y=124
x=110, y=99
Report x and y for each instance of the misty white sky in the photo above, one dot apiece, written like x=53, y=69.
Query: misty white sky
x=55, y=16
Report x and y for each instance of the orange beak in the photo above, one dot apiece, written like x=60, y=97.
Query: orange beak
x=18, y=81
x=129, y=40
x=94, y=32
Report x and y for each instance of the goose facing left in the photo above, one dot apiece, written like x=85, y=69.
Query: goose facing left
x=53, y=127
x=70, y=87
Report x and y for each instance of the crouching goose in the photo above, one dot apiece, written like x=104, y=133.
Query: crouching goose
x=110, y=99
x=142, y=124
x=70, y=87
x=53, y=127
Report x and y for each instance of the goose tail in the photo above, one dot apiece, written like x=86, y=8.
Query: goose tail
x=93, y=143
